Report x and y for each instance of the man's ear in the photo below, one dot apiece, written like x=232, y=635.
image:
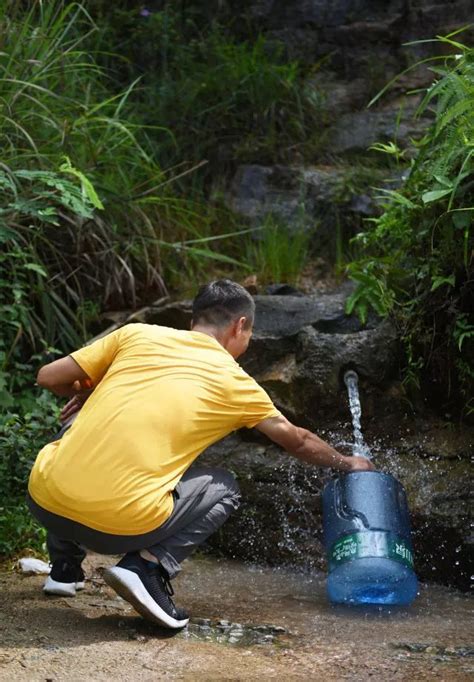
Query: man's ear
x=241, y=324
x=235, y=327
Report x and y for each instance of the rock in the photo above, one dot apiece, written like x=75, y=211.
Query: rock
x=321, y=359
x=439, y=441
x=257, y=191
x=282, y=290
x=295, y=195
x=176, y=314
x=285, y=316
x=355, y=132
x=275, y=489
x=359, y=36
x=203, y=622
x=339, y=96
x=323, y=200
x=439, y=494
x=301, y=346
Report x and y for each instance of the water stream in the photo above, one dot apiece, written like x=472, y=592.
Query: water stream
x=359, y=447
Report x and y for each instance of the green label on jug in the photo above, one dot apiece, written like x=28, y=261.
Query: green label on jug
x=370, y=544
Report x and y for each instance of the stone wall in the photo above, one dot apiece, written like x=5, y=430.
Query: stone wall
x=357, y=34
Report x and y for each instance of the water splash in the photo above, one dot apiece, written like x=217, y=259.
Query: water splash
x=359, y=447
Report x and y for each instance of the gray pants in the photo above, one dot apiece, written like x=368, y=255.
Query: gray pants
x=203, y=500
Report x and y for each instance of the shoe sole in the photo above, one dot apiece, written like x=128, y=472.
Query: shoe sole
x=128, y=585
x=61, y=589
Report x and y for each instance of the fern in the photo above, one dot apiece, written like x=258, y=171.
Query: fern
x=416, y=258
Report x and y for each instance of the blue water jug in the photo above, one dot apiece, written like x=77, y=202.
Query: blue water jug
x=368, y=540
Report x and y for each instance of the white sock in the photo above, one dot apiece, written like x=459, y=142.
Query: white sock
x=148, y=556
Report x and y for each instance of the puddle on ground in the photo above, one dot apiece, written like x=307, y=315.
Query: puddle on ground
x=247, y=622
x=233, y=634
x=242, y=605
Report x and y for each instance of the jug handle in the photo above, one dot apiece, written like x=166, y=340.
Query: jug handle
x=345, y=512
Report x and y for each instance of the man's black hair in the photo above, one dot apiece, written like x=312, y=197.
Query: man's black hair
x=221, y=302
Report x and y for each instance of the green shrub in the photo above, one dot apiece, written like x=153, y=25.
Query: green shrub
x=19, y=531
x=416, y=260
x=22, y=434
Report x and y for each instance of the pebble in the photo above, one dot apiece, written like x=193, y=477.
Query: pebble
x=137, y=637
x=233, y=640
x=201, y=621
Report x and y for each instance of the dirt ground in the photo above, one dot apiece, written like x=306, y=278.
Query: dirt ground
x=97, y=636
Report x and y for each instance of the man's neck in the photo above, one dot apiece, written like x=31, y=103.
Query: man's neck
x=210, y=331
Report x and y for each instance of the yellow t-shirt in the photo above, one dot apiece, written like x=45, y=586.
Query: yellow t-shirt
x=162, y=396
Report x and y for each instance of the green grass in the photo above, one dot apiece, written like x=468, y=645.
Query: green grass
x=276, y=252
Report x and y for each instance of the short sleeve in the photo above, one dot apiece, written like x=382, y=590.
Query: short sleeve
x=257, y=403
x=96, y=358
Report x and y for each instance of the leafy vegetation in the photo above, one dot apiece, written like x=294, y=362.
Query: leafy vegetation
x=62, y=135
x=277, y=253
x=87, y=211
x=21, y=437
x=214, y=97
x=417, y=258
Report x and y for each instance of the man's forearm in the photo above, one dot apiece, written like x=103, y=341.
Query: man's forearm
x=63, y=390
x=69, y=390
x=64, y=377
x=316, y=451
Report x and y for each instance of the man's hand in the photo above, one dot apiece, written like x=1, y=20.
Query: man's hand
x=65, y=378
x=359, y=463
x=74, y=405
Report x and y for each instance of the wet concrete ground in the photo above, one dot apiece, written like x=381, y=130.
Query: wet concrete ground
x=247, y=623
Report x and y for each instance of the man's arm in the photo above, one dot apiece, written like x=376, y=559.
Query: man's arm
x=306, y=446
x=64, y=377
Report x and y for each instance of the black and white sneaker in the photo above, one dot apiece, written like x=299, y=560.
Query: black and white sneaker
x=64, y=579
x=147, y=588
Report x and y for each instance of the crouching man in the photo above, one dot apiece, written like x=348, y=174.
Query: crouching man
x=120, y=480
